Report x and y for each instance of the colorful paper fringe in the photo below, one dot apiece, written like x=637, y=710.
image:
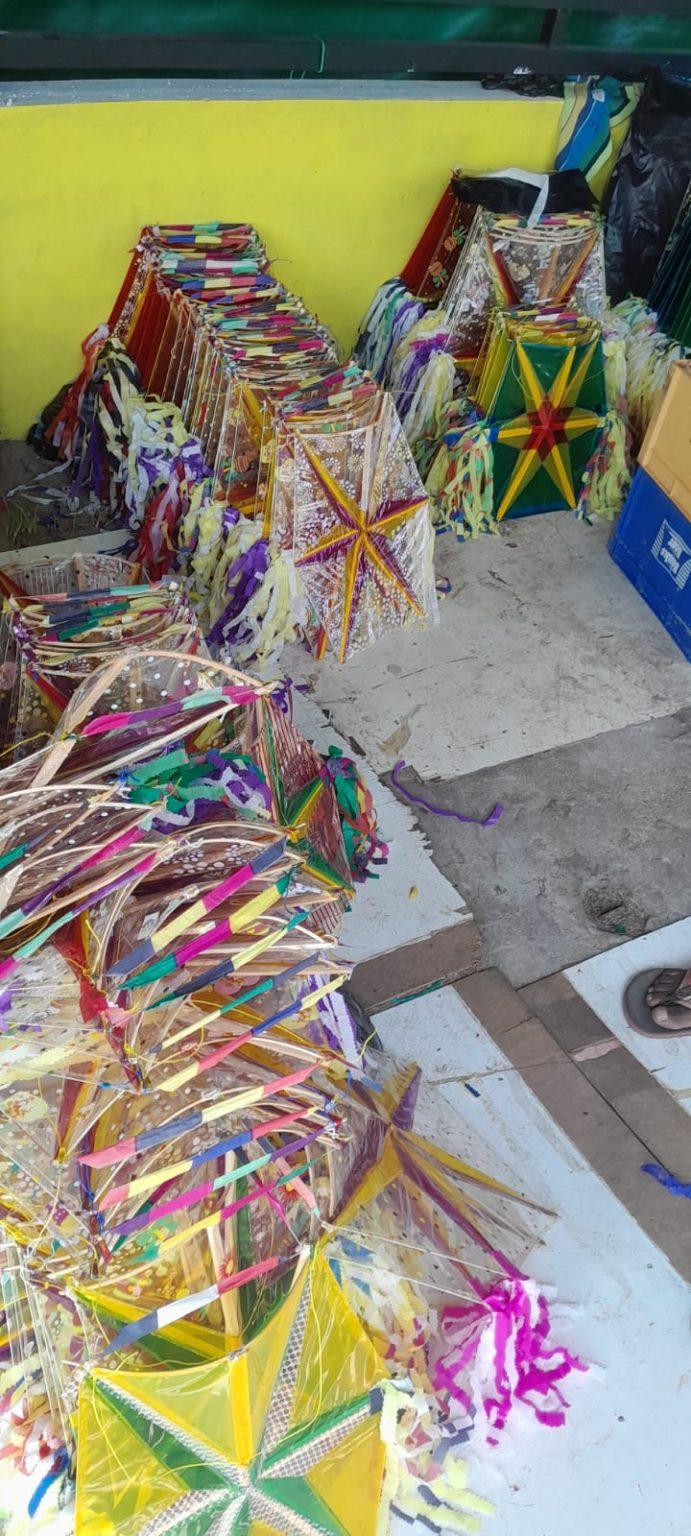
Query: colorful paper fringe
x=649, y=355
x=496, y=1354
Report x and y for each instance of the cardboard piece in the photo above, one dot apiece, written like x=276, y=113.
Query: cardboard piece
x=666, y=451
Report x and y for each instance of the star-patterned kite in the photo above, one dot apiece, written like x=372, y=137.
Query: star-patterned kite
x=363, y=539
x=280, y=1439
x=508, y=260
x=546, y=414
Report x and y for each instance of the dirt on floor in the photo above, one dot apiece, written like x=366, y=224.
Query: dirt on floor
x=587, y=852
x=36, y=504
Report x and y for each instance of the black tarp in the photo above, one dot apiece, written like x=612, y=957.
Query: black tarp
x=648, y=185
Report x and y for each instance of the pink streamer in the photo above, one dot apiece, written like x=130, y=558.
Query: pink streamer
x=519, y=1367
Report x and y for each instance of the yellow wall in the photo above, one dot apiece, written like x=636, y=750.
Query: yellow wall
x=339, y=190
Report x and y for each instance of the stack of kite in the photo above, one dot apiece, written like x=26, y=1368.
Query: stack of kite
x=239, y=1291
x=472, y=258
x=213, y=411
x=508, y=260
x=429, y=342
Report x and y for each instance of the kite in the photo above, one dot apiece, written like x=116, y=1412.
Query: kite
x=508, y=261
x=364, y=549
x=282, y=1436
x=542, y=391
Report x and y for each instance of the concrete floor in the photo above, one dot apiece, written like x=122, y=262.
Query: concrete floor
x=549, y=686
x=601, y=815
x=542, y=642
x=24, y=522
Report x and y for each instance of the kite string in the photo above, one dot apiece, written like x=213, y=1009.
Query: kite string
x=396, y=1242
x=438, y=810
x=427, y=1285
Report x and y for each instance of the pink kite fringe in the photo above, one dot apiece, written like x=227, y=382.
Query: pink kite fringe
x=495, y=1353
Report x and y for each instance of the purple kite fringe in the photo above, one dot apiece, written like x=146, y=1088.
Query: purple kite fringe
x=244, y=577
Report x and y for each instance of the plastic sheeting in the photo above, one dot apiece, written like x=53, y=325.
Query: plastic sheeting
x=648, y=185
x=566, y=192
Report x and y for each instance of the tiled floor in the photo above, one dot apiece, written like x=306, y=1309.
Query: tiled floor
x=410, y=899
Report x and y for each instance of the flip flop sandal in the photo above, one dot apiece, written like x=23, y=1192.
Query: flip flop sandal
x=668, y=982
x=637, y=1009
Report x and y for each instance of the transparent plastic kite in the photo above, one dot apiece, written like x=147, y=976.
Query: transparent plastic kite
x=280, y=1438
x=363, y=542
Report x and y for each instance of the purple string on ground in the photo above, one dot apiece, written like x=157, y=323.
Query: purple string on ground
x=438, y=810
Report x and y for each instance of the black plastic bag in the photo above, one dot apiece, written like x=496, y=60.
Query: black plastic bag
x=38, y=435
x=568, y=192
x=648, y=185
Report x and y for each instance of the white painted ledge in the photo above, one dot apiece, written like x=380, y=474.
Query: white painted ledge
x=53, y=93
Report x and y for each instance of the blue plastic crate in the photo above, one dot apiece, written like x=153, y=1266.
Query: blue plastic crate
x=652, y=545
